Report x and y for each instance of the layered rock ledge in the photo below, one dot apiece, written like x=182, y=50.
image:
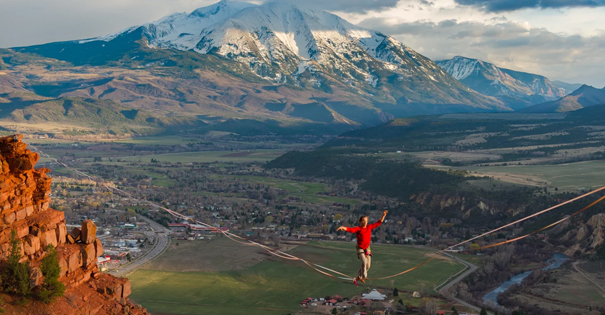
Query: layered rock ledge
x=25, y=207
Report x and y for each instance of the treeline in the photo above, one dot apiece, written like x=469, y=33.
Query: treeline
x=437, y=133
x=398, y=179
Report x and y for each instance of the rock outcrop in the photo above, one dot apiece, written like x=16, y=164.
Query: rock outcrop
x=25, y=207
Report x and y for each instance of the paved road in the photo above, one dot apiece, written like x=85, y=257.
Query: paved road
x=470, y=269
x=159, y=247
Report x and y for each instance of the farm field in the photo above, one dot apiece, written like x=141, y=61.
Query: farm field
x=567, y=177
x=271, y=286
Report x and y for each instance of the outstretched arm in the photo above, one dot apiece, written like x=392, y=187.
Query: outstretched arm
x=379, y=222
x=348, y=229
x=384, y=214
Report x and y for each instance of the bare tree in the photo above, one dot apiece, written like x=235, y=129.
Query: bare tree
x=503, y=257
x=424, y=290
x=429, y=306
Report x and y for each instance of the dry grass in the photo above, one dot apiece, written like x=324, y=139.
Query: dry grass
x=571, y=289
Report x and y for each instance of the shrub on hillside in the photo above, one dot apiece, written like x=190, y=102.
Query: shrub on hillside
x=15, y=277
x=51, y=287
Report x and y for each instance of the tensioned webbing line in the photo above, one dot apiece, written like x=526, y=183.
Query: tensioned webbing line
x=287, y=256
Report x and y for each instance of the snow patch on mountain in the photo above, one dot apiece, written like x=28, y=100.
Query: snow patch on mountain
x=459, y=67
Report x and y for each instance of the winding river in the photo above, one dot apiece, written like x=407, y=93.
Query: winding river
x=554, y=263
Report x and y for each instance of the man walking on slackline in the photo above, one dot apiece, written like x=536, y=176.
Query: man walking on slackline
x=364, y=237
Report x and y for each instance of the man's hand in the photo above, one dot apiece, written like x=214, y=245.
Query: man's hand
x=342, y=228
x=384, y=214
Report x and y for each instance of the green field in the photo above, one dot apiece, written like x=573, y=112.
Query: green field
x=569, y=177
x=276, y=287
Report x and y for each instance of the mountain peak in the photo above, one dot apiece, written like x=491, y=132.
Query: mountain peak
x=584, y=89
x=223, y=5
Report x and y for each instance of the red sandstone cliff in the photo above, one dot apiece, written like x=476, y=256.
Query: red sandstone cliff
x=24, y=207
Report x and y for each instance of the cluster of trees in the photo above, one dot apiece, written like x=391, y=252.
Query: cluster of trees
x=15, y=276
x=398, y=179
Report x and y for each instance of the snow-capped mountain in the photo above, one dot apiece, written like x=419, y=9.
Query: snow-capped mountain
x=278, y=40
x=517, y=89
x=306, y=65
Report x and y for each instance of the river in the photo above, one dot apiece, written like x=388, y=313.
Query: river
x=555, y=262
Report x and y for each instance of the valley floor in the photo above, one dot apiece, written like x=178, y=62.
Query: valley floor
x=222, y=277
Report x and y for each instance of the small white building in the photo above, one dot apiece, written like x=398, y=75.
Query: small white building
x=374, y=295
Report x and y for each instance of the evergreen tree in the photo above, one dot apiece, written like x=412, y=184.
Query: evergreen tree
x=483, y=311
x=52, y=287
x=15, y=278
x=395, y=292
x=455, y=311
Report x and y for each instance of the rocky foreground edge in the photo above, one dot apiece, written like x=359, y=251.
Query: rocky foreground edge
x=25, y=207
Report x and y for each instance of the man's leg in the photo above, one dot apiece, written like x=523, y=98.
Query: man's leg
x=368, y=264
x=363, y=271
x=362, y=274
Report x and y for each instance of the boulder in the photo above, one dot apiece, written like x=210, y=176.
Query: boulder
x=10, y=218
x=21, y=214
x=75, y=234
x=35, y=277
x=61, y=234
x=89, y=232
x=31, y=244
x=88, y=255
x=48, y=238
x=126, y=289
x=98, y=248
x=74, y=261
x=115, y=290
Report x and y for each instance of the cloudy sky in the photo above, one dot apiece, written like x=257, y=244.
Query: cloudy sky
x=562, y=39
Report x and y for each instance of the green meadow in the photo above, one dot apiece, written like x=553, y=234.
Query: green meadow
x=275, y=286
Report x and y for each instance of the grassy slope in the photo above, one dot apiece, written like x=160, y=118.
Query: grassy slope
x=276, y=287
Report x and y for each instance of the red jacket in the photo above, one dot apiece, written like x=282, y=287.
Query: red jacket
x=364, y=235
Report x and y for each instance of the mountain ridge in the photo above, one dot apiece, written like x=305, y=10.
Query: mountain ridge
x=516, y=89
x=585, y=96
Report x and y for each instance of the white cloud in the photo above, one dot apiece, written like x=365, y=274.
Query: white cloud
x=509, y=44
